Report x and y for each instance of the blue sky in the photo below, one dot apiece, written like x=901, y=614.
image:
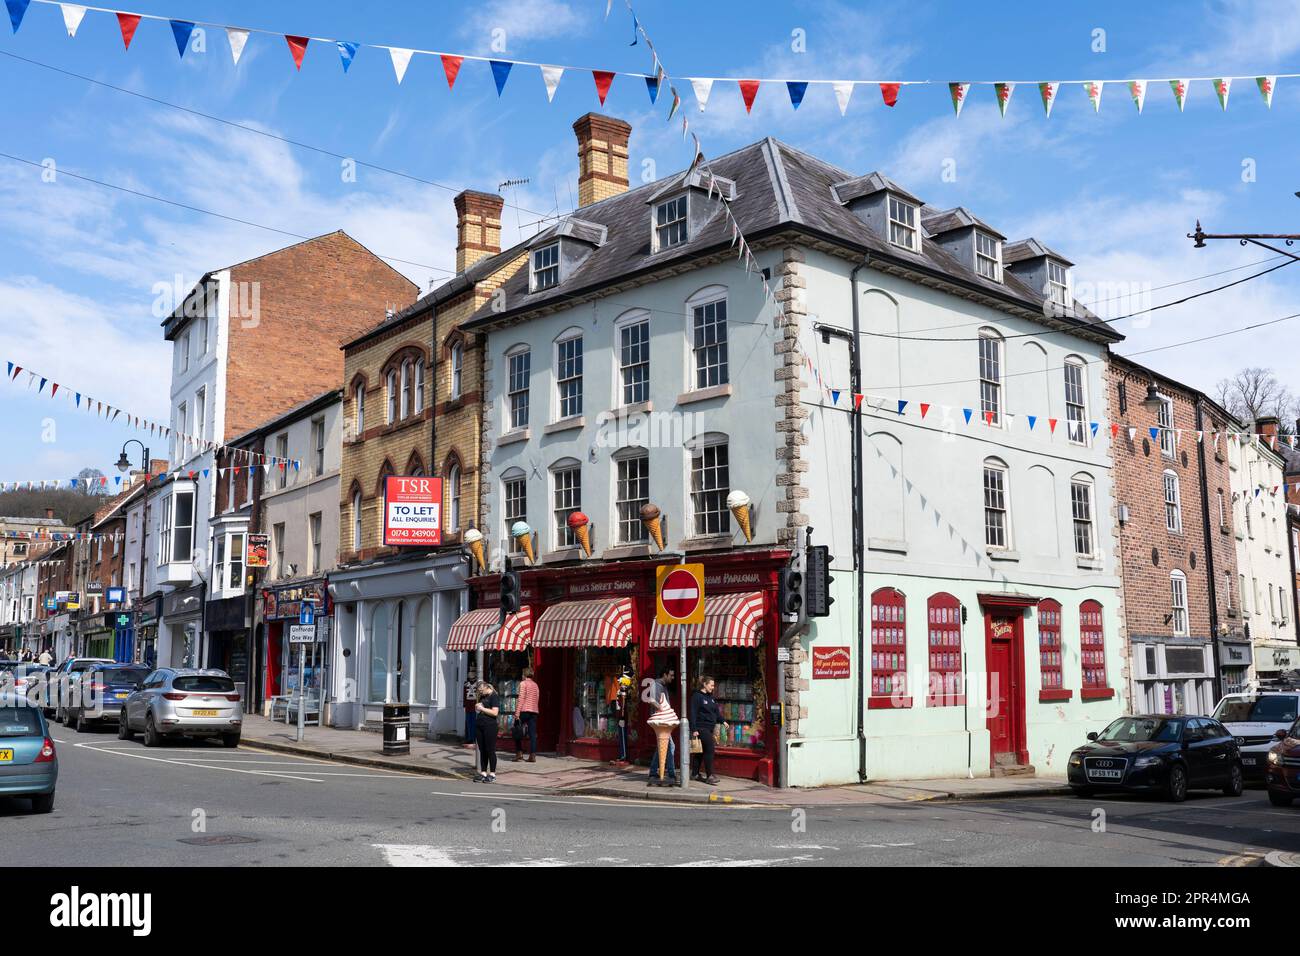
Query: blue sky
x=1115, y=191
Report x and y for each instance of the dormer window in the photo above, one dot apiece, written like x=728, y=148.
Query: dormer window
x=988, y=256
x=546, y=267
x=1058, y=284
x=670, y=223
x=902, y=225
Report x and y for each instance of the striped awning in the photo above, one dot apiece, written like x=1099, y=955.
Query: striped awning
x=514, y=636
x=730, y=620
x=585, y=624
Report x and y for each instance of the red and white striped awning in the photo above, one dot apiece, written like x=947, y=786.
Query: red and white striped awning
x=730, y=620
x=513, y=636
x=605, y=623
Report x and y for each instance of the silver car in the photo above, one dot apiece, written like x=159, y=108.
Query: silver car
x=183, y=701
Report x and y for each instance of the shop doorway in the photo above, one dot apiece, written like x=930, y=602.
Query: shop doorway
x=1004, y=654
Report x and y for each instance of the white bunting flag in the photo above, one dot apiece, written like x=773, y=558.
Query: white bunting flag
x=702, y=89
x=551, y=77
x=1132, y=433
x=237, y=40
x=1138, y=90
x=401, y=60
x=72, y=16
x=843, y=90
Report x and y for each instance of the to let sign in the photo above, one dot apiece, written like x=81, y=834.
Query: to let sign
x=412, y=511
x=680, y=594
x=830, y=663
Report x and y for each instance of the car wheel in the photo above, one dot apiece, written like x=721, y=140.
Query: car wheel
x=151, y=736
x=1176, y=788
x=230, y=740
x=124, y=731
x=1082, y=791
x=1279, y=799
x=1235, y=782
x=43, y=803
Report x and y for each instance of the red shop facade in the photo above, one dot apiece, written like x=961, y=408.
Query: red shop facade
x=579, y=625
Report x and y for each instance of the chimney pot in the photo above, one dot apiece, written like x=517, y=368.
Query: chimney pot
x=602, y=157
x=478, y=227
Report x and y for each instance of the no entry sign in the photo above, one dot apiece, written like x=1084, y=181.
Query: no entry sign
x=679, y=594
x=412, y=511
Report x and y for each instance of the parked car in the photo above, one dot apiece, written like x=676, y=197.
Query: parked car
x=29, y=764
x=26, y=680
x=1255, y=719
x=1158, y=753
x=62, y=682
x=101, y=692
x=183, y=702
x=1282, y=773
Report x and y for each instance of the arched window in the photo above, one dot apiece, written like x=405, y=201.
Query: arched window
x=406, y=389
x=1178, y=602
x=359, y=403
x=453, y=498
x=419, y=386
x=888, y=650
x=991, y=376
x=392, y=396
x=1076, y=401
x=1092, y=651
x=457, y=368
x=1085, y=540
x=997, y=505
x=1173, y=502
x=356, y=520
x=944, y=642
x=1051, y=653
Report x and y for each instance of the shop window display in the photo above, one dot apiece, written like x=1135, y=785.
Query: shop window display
x=505, y=670
x=595, y=691
x=741, y=690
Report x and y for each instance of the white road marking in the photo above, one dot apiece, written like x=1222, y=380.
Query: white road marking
x=582, y=801
x=778, y=861
x=186, y=763
x=413, y=854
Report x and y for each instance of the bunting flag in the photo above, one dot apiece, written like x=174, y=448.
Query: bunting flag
x=181, y=30
x=551, y=78
x=127, y=22
x=1180, y=91
x=901, y=404
x=1222, y=87
x=797, y=89
x=604, y=79
x=1138, y=90
x=925, y=409
x=748, y=90
x=1048, y=93
x=966, y=413
x=702, y=89
x=1003, y=91
x=500, y=73
x=73, y=14
x=401, y=60
x=237, y=39
x=843, y=91
x=958, y=91
x=297, y=49
x=1093, y=89
x=347, y=53
x=16, y=10
x=1265, y=84
x=451, y=68
x=652, y=87
x=1051, y=425
x=677, y=102
x=1033, y=420
x=889, y=93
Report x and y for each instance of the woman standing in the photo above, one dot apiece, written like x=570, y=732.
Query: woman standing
x=705, y=718
x=527, y=707
x=486, y=711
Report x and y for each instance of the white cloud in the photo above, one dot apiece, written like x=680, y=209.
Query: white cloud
x=524, y=20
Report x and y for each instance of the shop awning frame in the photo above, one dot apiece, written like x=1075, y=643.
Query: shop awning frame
x=515, y=635
x=602, y=623
x=730, y=620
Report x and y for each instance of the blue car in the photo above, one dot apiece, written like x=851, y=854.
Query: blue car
x=100, y=694
x=29, y=765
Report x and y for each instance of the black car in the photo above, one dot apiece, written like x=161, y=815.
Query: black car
x=1159, y=753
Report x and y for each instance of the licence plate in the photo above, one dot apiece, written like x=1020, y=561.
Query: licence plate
x=1105, y=774
x=122, y=696
x=1248, y=761
x=6, y=756
x=203, y=713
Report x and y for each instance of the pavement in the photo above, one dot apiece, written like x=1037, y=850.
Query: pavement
x=454, y=761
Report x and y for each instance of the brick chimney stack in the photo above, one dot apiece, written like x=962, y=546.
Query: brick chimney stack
x=602, y=157
x=478, y=227
x=1266, y=427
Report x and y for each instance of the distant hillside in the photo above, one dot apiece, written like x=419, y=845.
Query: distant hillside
x=70, y=505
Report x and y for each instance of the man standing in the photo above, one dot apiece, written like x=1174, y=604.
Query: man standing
x=657, y=696
x=45, y=658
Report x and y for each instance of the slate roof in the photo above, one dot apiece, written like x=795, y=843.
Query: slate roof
x=777, y=189
x=937, y=223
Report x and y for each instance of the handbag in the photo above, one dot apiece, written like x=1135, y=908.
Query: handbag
x=518, y=730
x=697, y=745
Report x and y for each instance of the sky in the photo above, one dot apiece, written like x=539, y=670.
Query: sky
x=84, y=269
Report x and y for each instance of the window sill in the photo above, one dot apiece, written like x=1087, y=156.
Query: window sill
x=1089, y=564
x=516, y=435
x=1225, y=529
x=888, y=703
x=626, y=551
x=1096, y=693
x=999, y=554
x=704, y=394
x=1048, y=696
x=887, y=544
x=562, y=555
x=565, y=425
x=711, y=542
x=627, y=411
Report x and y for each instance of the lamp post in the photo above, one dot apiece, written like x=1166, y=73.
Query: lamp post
x=124, y=466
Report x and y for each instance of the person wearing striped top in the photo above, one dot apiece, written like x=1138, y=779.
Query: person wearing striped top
x=527, y=708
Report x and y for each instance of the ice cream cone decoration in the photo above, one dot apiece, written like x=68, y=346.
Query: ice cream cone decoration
x=523, y=533
x=663, y=722
x=580, y=525
x=740, y=507
x=474, y=541
x=653, y=523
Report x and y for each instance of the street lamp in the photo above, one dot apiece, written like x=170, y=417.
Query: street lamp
x=124, y=463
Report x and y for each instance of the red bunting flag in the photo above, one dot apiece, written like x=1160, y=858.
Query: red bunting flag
x=1052, y=424
x=925, y=409
x=603, y=80
x=857, y=401
x=451, y=66
x=128, y=22
x=748, y=90
x=988, y=418
x=55, y=390
x=1114, y=430
x=297, y=47
x=889, y=93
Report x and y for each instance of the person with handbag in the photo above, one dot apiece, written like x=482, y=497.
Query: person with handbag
x=527, y=707
x=486, y=711
x=706, y=716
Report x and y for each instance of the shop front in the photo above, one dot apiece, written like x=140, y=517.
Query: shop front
x=592, y=624
x=1234, y=666
x=181, y=627
x=96, y=637
x=279, y=671
x=227, y=639
x=1274, y=661
x=146, y=632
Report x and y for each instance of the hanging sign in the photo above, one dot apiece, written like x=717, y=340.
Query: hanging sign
x=258, y=552
x=412, y=511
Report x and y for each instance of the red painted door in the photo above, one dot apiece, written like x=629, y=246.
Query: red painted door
x=999, y=697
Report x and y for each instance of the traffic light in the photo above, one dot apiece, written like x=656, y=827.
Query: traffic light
x=819, y=581
x=510, y=591
x=791, y=598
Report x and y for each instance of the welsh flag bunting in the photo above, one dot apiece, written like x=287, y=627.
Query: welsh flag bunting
x=604, y=79
x=297, y=48
x=551, y=77
x=1003, y=91
x=181, y=30
x=73, y=14
x=797, y=89
x=500, y=73
x=1093, y=89
x=1138, y=90
x=16, y=10
x=237, y=40
x=677, y=102
x=347, y=52
x=843, y=91
x=1265, y=83
x=401, y=60
x=958, y=93
x=1180, y=91
x=889, y=93
x=1221, y=88
x=748, y=90
x=702, y=89
x=128, y=22
x=1048, y=92
x=451, y=67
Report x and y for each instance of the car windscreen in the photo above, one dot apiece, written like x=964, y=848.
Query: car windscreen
x=1273, y=709
x=123, y=675
x=19, y=722
x=1143, y=730
x=204, y=684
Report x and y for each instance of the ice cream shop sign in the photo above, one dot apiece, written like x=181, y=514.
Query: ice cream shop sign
x=412, y=511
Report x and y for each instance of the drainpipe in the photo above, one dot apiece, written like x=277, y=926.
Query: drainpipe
x=1212, y=591
x=859, y=550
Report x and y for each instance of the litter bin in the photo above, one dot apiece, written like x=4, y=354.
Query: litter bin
x=397, y=729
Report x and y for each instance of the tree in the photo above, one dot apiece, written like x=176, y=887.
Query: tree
x=1254, y=393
